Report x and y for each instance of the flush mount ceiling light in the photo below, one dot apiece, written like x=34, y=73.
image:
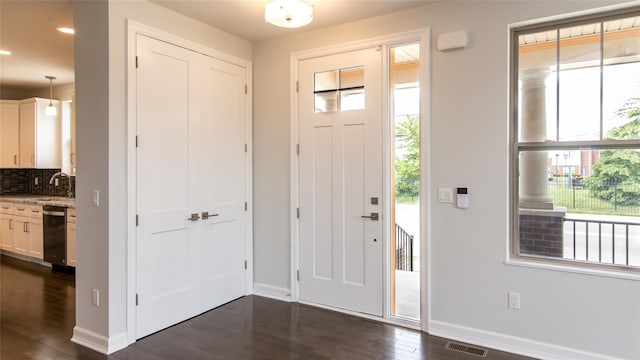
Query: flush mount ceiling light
x=288, y=13
x=50, y=109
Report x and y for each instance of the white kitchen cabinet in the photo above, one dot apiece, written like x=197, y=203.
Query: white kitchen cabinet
x=71, y=237
x=7, y=237
x=28, y=231
x=69, y=135
x=72, y=156
x=9, y=133
x=40, y=135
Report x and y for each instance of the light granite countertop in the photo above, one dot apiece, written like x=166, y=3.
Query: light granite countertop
x=40, y=200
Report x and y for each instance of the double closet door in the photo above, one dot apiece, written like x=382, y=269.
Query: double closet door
x=192, y=183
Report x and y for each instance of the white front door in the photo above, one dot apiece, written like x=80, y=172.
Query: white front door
x=191, y=184
x=341, y=181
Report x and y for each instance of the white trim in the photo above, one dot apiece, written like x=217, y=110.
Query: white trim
x=423, y=37
x=587, y=12
x=574, y=269
x=272, y=292
x=133, y=29
x=425, y=178
x=512, y=344
x=97, y=342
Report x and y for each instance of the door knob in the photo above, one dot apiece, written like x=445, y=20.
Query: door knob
x=374, y=216
x=206, y=215
x=194, y=217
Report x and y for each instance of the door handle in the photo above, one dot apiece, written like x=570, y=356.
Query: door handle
x=373, y=216
x=206, y=215
x=194, y=217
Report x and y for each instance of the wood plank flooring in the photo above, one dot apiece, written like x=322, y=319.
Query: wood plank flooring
x=37, y=318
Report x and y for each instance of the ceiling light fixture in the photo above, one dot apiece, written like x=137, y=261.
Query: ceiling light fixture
x=5, y=52
x=66, y=30
x=288, y=13
x=50, y=109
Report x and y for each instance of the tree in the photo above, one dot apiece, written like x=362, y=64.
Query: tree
x=616, y=175
x=408, y=157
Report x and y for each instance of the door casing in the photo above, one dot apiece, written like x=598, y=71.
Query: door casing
x=421, y=36
x=133, y=29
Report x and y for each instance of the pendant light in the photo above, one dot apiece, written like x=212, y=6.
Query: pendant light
x=288, y=13
x=51, y=110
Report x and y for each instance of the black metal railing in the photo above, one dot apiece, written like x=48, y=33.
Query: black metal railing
x=601, y=241
x=609, y=198
x=404, y=249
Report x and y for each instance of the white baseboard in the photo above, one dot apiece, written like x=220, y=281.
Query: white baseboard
x=512, y=344
x=273, y=292
x=97, y=342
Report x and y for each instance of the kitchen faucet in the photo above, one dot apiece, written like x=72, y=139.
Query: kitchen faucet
x=62, y=174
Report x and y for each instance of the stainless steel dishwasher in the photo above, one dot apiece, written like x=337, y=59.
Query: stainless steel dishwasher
x=54, y=227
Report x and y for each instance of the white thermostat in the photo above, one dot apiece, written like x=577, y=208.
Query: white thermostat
x=462, y=198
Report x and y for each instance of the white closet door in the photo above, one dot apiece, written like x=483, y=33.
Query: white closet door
x=219, y=180
x=167, y=243
x=191, y=160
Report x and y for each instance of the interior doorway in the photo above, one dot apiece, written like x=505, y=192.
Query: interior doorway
x=404, y=106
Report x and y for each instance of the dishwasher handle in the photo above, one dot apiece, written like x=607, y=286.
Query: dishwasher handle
x=53, y=213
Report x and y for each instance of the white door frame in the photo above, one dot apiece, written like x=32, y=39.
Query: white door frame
x=133, y=29
x=421, y=36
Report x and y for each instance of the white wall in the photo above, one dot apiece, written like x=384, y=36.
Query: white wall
x=565, y=312
x=101, y=130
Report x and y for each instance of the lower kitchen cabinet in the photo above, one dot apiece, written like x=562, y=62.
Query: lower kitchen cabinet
x=25, y=226
x=7, y=237
x=71, y=237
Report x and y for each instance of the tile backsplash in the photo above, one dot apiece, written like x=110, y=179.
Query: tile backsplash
x=23, y=181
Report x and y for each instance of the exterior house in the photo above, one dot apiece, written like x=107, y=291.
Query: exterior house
x=564, y=313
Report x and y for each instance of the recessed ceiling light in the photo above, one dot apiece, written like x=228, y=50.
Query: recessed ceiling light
x=66, y=30
x=5, y=52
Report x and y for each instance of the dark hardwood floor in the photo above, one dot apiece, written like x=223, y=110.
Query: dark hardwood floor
x=37, y=318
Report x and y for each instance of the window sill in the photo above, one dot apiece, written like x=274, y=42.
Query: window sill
x=611, y=273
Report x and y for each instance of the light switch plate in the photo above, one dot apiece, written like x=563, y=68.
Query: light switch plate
x=95, y=198
x=445, y=195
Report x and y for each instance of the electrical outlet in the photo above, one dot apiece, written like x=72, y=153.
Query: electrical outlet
x=95, y=297
x=56, y=182
x=514, y=300
x=35, y=181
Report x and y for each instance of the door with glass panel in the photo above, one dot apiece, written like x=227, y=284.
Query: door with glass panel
x=341, y=181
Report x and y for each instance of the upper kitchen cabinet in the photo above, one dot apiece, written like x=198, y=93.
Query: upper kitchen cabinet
x=69, y=135
x=40, y=135
x=9, y=133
